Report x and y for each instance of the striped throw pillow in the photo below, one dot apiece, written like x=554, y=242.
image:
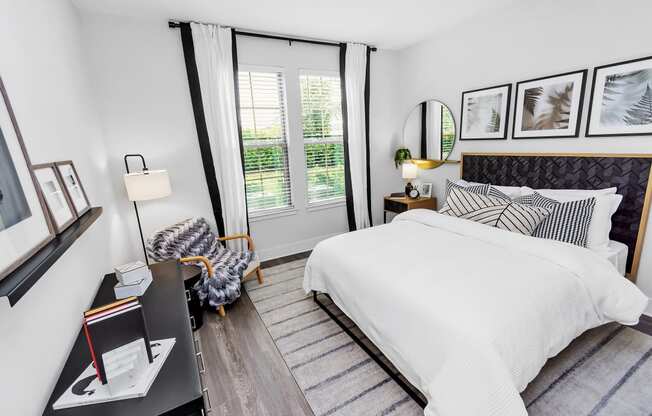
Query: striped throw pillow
x=497, y=212
x=568, y=221
x=482, y=189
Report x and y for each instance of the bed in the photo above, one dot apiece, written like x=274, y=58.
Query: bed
x=469, y=314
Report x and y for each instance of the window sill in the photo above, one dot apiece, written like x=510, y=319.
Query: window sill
x=318, y=206
x=272, y=214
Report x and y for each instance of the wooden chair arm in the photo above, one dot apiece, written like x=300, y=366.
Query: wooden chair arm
x=250, y=241
x=202, y=259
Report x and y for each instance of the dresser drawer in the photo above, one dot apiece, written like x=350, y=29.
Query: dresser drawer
x=395, y=206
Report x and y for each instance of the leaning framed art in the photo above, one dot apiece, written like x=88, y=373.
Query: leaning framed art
x=60, y=207
x=549, y=107
x=73, y=186
x=621, y=99
x=485, y=112
x=24, y=223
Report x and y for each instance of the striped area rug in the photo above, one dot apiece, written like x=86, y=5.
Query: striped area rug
x=604, y=372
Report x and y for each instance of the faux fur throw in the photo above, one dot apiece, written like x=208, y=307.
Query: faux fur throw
x=193, y=237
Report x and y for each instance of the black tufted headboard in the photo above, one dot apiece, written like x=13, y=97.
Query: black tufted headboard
x=631, y=174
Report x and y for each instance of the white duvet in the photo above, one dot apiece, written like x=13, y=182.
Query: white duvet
x=467, y=312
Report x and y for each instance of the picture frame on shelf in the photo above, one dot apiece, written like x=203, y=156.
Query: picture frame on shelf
x=621, y=99
x=25, y=226
x=425, y=189
x=73, y=186
x=549, y=107
x=485, y=113
x=59, y=206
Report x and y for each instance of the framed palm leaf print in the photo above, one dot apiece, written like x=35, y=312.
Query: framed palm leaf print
x=549, y=107
x=621, y=99
x=485, y=112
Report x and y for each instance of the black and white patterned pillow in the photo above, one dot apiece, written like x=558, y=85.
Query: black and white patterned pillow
x=482, y=189
x=495, y=192
x=568, y=221
x=497, y=212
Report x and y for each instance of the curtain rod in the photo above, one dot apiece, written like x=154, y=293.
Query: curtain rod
x=176, y=24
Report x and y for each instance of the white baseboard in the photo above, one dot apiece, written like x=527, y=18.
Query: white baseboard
x=295, y=247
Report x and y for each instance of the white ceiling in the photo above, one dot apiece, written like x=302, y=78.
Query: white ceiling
x=391, y=24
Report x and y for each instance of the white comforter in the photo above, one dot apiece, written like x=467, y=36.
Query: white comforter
x=468, y=313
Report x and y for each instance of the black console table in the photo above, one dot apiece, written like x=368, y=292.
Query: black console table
x=177, y=390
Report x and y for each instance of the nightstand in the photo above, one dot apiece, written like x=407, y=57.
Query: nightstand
x=402, y=204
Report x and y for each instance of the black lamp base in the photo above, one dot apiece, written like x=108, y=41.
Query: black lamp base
x=408, y=188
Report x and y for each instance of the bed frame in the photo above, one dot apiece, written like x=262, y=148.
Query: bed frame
x=630, y=173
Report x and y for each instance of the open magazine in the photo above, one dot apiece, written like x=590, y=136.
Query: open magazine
x=87, y=389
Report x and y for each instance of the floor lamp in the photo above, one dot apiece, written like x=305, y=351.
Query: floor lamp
x=145, y=185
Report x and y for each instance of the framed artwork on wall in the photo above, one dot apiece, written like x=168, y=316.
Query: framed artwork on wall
x=621, y=99
x=73, y=186
x=549, y=107
x=24, y=223
x=485, y=112
x=60, y=208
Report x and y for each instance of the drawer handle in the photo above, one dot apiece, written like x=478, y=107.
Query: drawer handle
x=208, y=399
x=197, y=344
x=188, y=295
x=202, y=367
x=192, y=322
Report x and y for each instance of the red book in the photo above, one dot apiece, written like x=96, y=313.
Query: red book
x=90, y=347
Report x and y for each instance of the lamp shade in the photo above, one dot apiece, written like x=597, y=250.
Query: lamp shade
x=146, y=185
x=409, y=171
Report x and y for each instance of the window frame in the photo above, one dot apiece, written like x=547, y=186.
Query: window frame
x=330, y=202
x=268, y=213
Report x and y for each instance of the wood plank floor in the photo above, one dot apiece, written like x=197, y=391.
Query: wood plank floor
x=245, y=373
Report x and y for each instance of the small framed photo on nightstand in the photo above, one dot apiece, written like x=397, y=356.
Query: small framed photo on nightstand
x=425, y=190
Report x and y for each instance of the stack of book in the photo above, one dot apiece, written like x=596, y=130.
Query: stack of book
x=117, y=337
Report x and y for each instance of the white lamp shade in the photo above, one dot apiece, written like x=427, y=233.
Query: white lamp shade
x=151, y=184
x=409, y=171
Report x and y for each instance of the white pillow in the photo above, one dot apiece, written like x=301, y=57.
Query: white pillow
x=565, y=195
x=510, y=191
x=607, y=202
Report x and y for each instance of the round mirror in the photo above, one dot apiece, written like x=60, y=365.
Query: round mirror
x=429, y=131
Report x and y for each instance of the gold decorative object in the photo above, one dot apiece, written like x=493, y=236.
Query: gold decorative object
x=429, y=163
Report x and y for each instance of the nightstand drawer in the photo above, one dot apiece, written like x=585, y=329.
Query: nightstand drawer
x=395, y=206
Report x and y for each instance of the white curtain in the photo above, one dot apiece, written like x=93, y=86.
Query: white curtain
x=214, y=58
x=355, y=71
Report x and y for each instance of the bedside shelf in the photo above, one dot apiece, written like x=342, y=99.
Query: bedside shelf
x=18, y=282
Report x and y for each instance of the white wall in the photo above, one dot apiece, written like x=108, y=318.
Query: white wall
x=524, y=41
x=43, y=70
x=145, y=105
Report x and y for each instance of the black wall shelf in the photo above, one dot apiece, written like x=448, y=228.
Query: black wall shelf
x=18, y=282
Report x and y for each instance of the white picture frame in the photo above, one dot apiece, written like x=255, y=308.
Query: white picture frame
x=425, y=190
x=60, y=208
x=73, y=186
x=24, y=223
x=620, y=96
x=485, y=113
x=549, y=107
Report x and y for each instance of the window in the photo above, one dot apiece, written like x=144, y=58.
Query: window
x=321, y=110
x=447, y=132
x=264, y=136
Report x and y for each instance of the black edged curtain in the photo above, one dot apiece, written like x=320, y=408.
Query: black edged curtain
x=211, y=64
x=355, y=74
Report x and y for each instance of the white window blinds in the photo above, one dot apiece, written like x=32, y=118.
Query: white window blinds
x=321, y=110
x=264, y=135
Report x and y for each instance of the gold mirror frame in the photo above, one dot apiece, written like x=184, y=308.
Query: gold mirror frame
x=432, y=163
